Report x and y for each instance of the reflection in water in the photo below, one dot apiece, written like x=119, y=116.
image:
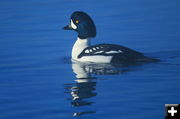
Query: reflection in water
x=82, y=91
x=85, y=86
x=84, y=70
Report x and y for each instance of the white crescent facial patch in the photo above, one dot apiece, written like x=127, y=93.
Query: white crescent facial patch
x=73, y=25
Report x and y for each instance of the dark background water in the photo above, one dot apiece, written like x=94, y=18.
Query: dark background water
x=38, y=81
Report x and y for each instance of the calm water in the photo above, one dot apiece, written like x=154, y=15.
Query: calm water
x=38, y=80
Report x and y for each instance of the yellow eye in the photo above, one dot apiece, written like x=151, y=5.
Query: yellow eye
x=77, y=21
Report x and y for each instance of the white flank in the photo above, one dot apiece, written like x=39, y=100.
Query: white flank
x=96, y=59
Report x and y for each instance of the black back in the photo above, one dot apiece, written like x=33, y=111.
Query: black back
x=125, y=56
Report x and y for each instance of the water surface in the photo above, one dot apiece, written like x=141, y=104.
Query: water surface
x=38, y=80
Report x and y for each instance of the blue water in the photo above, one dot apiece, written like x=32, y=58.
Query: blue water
x=38, y=80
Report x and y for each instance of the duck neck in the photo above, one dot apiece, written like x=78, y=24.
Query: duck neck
x=79, y=46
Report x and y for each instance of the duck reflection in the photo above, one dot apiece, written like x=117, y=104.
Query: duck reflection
x=85, y=71
x=81, y=91
x=84, y=87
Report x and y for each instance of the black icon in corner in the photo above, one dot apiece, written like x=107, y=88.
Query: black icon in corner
x=172, y=111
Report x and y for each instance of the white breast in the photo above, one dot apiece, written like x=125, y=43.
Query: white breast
x=79, y=46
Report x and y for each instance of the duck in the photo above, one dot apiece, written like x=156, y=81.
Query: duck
x=83, y=51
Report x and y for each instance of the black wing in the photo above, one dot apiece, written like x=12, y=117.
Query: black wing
x=109, y=50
